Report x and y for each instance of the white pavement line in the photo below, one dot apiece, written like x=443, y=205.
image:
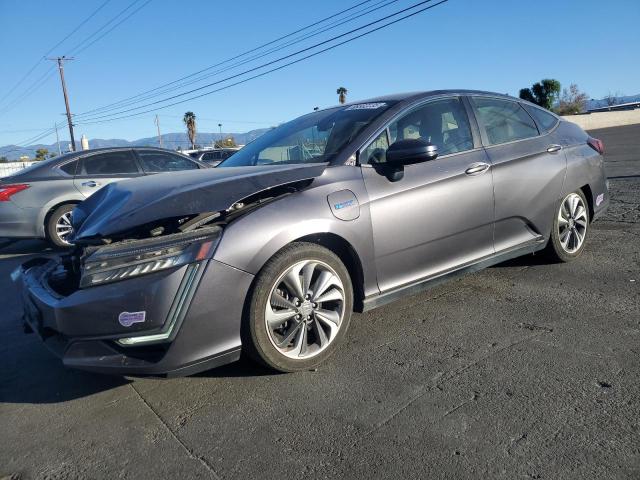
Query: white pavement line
x=189, y=452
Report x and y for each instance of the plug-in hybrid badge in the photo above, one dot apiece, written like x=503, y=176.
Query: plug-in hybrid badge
x=344, y=205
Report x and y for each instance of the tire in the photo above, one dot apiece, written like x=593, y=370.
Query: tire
x=288, y=333
x=570, y=228
x=55, y=222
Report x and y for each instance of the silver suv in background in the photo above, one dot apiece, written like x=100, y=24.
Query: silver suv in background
x=37, y=202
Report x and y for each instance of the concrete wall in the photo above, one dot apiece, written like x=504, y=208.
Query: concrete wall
x=592, y=121
x=12, y=167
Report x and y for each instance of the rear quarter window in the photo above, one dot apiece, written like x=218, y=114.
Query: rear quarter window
x=546, y=121
x=70, y=168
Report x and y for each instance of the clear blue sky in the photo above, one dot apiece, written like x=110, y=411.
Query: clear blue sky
x=494, y=45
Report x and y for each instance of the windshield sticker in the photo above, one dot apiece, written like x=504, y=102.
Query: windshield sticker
x=366, y=106
x=127, y=319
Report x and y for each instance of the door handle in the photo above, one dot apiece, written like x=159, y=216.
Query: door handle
x=477, y=168
x=90, y=184
x=554, y=148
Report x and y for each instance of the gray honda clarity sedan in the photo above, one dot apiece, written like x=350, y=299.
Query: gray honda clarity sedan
x=340, y=210
x=37, y=202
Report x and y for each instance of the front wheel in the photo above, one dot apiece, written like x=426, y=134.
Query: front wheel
x=300, y=308
x=570, y=228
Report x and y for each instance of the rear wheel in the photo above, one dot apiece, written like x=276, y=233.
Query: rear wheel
x=59, y=226
x=570, y=228
x=300, y=308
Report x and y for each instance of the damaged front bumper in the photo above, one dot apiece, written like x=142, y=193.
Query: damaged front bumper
x=176, y=321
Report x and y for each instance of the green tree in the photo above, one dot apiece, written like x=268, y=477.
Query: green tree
x=544, y=93
x=189, y=120
x=4, y=160
x=572, y=101
x=41, y=154
x=342, y=95
x=225, y=143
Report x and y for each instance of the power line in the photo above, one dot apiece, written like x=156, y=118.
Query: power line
x=80, y=47
x=350, y=18
x=115, y=26
x=35, y=65
x=119, y=103
x=96, y=119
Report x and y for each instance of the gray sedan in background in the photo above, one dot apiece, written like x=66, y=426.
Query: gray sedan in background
x=37, y=202
x=342, y=209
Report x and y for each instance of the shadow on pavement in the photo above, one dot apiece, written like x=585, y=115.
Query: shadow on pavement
x=24, y=247
x=33, y=375
x=244, y=367
x=527, y=261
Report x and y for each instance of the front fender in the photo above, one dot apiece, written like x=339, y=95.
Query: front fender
x=250, y=241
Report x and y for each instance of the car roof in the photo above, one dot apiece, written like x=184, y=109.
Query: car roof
x=410, y=96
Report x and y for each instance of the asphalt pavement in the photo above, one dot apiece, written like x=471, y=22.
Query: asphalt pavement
x=525, y=370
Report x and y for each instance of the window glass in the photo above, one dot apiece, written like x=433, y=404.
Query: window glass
x=156, y=161
x=69, y=168
x=545, y=120
x=316, y=137
x=442, y=122
x=109, y=163
x=503, y=120
x=376, y=152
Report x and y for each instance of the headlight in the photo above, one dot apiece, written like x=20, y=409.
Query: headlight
x=123, y=260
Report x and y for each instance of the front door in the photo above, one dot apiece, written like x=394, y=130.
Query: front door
x=439, y=215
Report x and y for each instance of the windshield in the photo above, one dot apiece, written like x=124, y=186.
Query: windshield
x=313, y=138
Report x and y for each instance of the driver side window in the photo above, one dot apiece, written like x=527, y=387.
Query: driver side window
x=442, y=122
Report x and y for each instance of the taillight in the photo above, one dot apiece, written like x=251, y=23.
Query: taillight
x=6, y=191
x=596, y=144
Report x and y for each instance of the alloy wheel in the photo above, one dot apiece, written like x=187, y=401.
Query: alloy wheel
x=63, y=227
x=573, y=222
x=305, y=309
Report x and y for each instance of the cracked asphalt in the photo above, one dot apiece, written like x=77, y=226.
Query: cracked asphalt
x=524, y=370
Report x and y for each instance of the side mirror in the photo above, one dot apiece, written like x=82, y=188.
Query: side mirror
x=414, y=150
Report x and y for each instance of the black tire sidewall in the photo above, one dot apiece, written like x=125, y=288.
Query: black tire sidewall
x=256, y=335
x=555, y=246
x=52, y=235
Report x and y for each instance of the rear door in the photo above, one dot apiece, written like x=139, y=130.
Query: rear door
x=95, y=171
x=528, y=168
x=439, y=215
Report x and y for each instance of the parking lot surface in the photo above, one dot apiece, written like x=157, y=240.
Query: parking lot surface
x=524, y=370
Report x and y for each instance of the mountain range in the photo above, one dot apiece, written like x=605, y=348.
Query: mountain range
x=591, y=104
x=172, y=141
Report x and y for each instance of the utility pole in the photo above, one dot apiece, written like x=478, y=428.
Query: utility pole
x=55, y=125
x=60, y=61
x=220, y=140
x=159, y=136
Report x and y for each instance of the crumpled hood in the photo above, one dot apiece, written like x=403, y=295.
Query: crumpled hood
x=122, y=206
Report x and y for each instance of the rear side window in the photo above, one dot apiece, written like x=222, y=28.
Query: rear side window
x=503, y=121
x=211, y=156
x=70, y=168
x=109, y=163
x=545, y=120
x=155, y=162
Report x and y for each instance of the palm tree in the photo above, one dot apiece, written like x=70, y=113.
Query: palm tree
x=342, y=94
x=189, y=120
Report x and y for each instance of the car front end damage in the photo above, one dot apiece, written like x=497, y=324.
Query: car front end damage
x=143, y=307
x=148, y=297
